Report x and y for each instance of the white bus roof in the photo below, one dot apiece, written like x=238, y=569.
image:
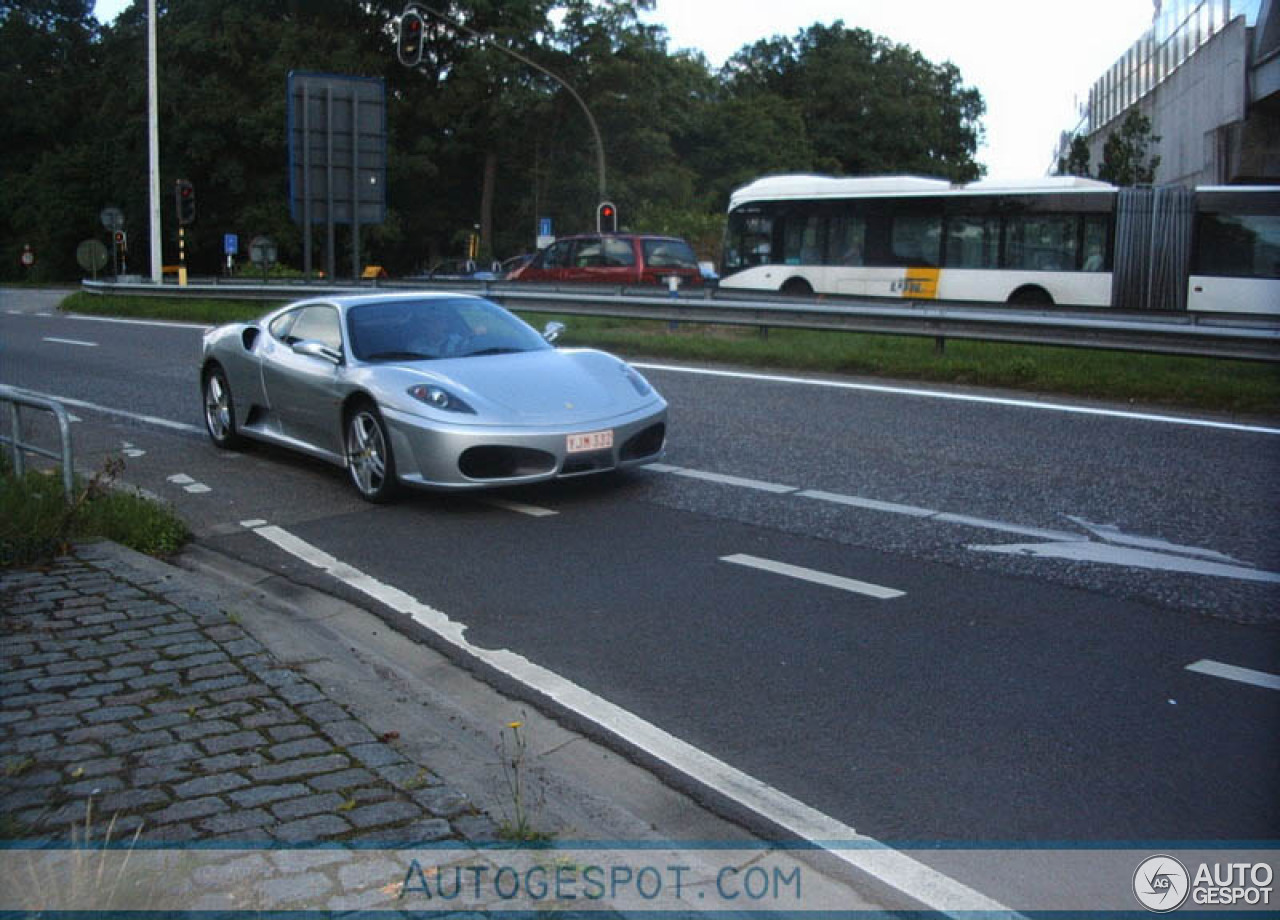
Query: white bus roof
x=804, y=187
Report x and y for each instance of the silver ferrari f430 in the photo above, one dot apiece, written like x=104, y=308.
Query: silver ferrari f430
x=440, y=391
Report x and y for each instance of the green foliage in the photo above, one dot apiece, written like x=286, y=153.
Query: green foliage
x=1076, y=162
x=1125, y=159
x=868, y=105
x=37, y=522
x=477, y=137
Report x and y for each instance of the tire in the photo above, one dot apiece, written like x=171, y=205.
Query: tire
x=1030, y=296
x=219, y=409
x=797, y=287
x=370, y=462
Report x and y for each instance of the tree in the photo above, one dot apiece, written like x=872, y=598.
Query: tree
x=1124, y=155
x=1076, y=162
x=868, y=105
x=475, y=135
x=49, y=51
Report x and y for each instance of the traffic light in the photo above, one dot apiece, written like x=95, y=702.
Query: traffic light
x=184, y=196
x=409, y=41
x=606, y=218
x=121, y=241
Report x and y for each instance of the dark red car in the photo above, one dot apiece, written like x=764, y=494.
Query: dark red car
x=614, y=258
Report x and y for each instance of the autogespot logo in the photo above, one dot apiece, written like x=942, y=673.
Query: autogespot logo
x=1161, y=884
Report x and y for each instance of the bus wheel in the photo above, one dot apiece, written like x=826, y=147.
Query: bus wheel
x=1030, y=296
x=797, y=287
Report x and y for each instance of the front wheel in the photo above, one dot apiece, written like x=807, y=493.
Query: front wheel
x=219, y=409
x=369, y=458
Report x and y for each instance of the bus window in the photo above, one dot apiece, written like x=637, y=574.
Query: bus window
x=803, y=240
x=1238, y=246
x=1095, y=243
x=973, y=242
x=846, y=241
x=916, y=240
x=1041, y=242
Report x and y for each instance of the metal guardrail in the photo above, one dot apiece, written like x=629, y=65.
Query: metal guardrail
x=16, y=399
x=1242, y=337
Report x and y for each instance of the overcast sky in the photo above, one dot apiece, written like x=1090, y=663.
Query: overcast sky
x=1032, y=60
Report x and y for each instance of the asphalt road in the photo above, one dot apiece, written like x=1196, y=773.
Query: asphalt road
x=1043, y=576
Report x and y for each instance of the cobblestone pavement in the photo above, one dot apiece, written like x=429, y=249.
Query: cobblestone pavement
x=131, y=701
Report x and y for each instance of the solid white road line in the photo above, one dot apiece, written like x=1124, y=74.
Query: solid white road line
x=518, y=507
x=962, y=397
x=814, y=577
x=76, y=342
x=888, y=866
x=120, y=413
x=158, y=323
x=1240, y=675
x=723, y=479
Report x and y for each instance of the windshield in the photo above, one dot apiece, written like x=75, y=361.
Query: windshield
x=426, y=330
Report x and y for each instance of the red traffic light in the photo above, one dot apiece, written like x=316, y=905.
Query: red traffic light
x=185, y=200
x=409, y=39
x=606, y=218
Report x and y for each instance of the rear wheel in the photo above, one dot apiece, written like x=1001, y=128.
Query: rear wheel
x=369, y=459
x=797, y=287
x=1030, y=296
x=219, y=409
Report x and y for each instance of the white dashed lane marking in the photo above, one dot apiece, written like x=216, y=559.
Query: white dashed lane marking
x=815, y=577
x=1237, y=674
x=188, y=484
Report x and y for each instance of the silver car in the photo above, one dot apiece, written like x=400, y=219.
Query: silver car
x=441, y=391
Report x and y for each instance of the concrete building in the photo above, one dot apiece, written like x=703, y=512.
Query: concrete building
x=1207, y=75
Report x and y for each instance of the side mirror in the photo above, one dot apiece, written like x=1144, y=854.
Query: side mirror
x=313, y=349
x=553, y=331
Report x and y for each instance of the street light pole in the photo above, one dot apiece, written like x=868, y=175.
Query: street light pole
x=600, y=169
x=153, y=145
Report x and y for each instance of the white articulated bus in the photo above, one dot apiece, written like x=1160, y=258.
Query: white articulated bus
x=1054, y=241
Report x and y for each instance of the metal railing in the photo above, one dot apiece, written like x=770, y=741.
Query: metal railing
x=1173, y=333
x=15, y=400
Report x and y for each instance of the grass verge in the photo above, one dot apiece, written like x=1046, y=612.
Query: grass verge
x=1236, y=387
x=37, y=522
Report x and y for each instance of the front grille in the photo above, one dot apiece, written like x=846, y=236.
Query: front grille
x=492, y=462
x=645, y=444
x=581, y=464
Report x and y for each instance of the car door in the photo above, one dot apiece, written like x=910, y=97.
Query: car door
x=303, y=390
x=551, y=264
x=587, y=262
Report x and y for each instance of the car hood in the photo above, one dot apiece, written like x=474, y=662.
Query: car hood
x=561, y=386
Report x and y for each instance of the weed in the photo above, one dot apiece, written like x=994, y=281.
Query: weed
x=519, y=825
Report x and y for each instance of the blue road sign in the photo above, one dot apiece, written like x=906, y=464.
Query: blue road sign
x=231, y=244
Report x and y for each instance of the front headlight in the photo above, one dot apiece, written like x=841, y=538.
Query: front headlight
x=438, y=397
x=633, y=376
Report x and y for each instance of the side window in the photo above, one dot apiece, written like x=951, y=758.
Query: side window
x=618, y=253
x=281, y=325
x=916, y=240
x=803, y=243
x=973, y=242
x=316, y=324
x=590, y=254
x=1041, y=242
x=557, y=254
x=1095, y=243
x=1238, y=245
x=846, y=241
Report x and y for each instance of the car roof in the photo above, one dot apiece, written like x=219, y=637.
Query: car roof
x=346, y=301
x=623, y=236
